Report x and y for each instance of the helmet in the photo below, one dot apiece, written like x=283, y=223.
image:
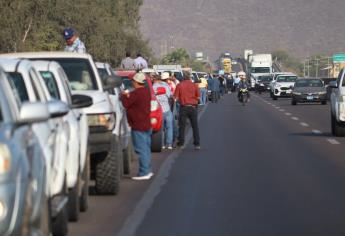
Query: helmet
x=241, y=73
x=68, y=33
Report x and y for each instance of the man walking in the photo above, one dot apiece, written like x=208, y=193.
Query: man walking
x=73, y=43
x=164, y=101
x=140, y=63
x=137, y=104
x=187, y=93
x=127, y=63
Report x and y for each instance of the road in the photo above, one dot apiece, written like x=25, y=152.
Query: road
x=267, y=168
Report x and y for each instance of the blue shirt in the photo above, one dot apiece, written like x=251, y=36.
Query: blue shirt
x=77, y=46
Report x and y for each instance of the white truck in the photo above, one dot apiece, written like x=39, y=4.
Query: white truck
x=176, y=69
x=259, y=64
x=338, y=105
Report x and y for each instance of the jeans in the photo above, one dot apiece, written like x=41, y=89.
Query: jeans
x=191, y=113
x=214, y=96
x=168, y=127
x=142, y=146
x=203, y=92
x=176, y=111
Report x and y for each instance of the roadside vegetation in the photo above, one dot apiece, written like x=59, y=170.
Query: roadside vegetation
x=107, y=27
x=288, y=62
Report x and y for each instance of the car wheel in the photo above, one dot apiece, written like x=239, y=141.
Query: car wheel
x=293, y=102
x=324, y=102
x=274, y=97
x=157, y=141
x=108, y=171
x=128, y=154
x=84, y=198
x=338, y=128
x=73, y=202
x=60, y=223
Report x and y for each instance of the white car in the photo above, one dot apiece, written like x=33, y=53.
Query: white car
x=105, y=147
x=77, y=163
x=338, y=105
x=52, y=135
x=282, y=87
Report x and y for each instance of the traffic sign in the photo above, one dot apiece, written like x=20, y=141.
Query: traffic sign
x=338, y=58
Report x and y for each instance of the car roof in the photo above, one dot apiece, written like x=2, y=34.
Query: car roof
x=12, y=64
x=46, y=65
x=46, y=54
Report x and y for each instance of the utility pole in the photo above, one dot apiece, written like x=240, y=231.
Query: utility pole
x=317, y=67
x=308, y=67
x=304, y=68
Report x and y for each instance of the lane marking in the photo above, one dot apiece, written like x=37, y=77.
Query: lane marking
x=288, y=114
x=333, y=141
x=278, y=107
x=295, y=118
x=315, y=131
x=282, y=110
x=304, y=124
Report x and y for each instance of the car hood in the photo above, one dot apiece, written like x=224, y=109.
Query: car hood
x=309, y=89
x=101, y=102
x=285, y=84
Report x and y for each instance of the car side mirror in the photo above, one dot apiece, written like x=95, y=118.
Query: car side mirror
x=57, y=108
x=81, y=101
x=112, y=82
x=32, y=112
x=333, y=84
x=160, y=91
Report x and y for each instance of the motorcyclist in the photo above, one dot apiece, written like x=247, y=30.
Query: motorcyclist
x=243, y=84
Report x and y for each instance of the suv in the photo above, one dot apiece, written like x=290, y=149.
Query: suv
x=77, y=162
x=282, y=86
x=105, y=146
x=23, y=200
x=52, y=135
x=338, y=105
x=156, y=110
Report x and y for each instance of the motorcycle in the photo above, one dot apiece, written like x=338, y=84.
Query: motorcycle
x=243, y=96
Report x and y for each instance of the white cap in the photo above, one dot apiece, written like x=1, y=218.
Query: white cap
x=165, y=75
x=139, y=77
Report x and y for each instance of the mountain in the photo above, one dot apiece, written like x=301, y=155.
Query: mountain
x=302, y=27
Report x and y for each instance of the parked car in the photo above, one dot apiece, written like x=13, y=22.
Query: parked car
x=23, y=200
x=105, y=146
x=338, y=105
x=308, y=90
x=122, y=128
x=52, y=136
x=156, y=110
x=78, y=155
x=282, y=86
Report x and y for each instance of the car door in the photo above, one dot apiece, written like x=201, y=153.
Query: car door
x=335, y=95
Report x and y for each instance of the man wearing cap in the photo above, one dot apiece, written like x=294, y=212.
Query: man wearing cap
x=187, y=93
x=164, y=101
x=74, y=44
x=138, y=105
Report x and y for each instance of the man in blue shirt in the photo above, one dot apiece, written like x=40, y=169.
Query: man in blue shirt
x=74, y=44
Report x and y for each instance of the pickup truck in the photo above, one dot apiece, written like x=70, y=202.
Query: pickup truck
x=338, y=105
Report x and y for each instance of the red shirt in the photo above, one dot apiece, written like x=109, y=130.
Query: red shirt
x=187, y=93
x=138, y=106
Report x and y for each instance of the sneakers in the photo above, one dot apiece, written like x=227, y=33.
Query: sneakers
x=170, y=147
x=163, y=147
x=144, y=177
x=197, y=147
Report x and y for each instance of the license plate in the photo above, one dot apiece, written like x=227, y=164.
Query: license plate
x=310, y=97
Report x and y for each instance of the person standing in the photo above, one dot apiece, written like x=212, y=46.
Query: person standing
x=137, y=104
x=187, y=93
x=140, y=63
x=128, y=63
x=73, y=43
x=164, y=101
x=203, y=90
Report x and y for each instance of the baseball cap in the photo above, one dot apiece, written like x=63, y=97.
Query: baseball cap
x=68, y=33
x=165, y=75
x=139, y=77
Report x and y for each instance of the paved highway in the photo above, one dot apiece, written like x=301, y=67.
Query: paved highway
x=267, y=168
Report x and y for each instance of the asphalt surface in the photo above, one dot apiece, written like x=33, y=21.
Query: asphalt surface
x=267, y=168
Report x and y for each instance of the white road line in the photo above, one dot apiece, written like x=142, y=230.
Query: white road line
x=288, y=114
x=304, y=124
x=277, y=107
x=295, y=118
x=332, y=141
x=282, y=110
x=315, y=131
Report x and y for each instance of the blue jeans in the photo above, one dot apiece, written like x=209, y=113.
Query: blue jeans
x=168, y=127
x=142, y=146
x=203, y=92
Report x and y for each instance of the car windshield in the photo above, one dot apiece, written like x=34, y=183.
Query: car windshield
x=103, y=74
x=79, y=73
x=287, y=79
x=260, y=70
x=265, y=78
x=309, y=83
x=51, y=84
x=18, y=86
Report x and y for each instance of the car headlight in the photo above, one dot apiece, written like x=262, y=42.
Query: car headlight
x=277, y=85
x=296, y=93
x=154, y=105
x=322, y=93
x=107, y=120
x=262, y=85
x=5, y=159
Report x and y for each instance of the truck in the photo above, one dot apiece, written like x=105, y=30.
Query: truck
x=176, y=69
x=247, y=53
x=259, y=64
x=225, y=63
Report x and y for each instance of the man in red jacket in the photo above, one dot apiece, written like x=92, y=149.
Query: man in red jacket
x=137, y=104
x=187, y=93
